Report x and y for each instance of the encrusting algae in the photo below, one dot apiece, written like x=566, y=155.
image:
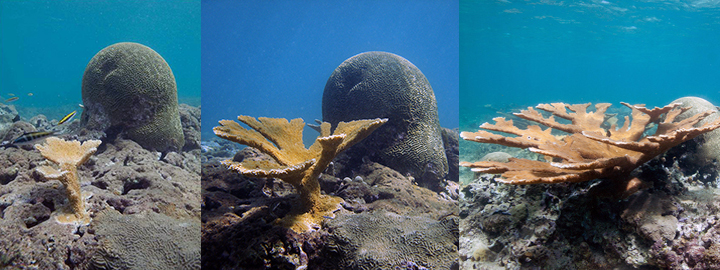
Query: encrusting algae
x=68, y=155
x=588, y=151
x=293, y=163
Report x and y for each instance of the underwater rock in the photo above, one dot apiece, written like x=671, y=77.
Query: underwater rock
x=8, y=115
x=129, y=88
x=17, y=129
x=452, y=153
x=41, y=122
x=190, y=119
x=384, y=85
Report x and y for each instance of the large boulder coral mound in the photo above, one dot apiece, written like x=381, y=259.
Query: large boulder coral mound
x=384, y=85
x=129, y=88
x=701, y=154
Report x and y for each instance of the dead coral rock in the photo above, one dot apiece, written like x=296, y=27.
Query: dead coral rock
x=712, y=256
x=8, y=115
x=126, y=171
x=384, y=240
x=452, y=152
x=190, y=119
x=146, y=241
x=16, y=164
x=385, y=188
x=16, y=130
x=648, y=212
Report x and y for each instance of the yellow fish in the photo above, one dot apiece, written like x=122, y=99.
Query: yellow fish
x=67, y=117
x=11, y=99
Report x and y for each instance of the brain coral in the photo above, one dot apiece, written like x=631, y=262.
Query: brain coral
x=128, y=87
x=703, y=152
x=385, y=240
x=145, y=241
x=384, y=85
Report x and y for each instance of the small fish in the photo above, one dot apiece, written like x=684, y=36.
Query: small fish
x=67, y=118
x=30, y=94
x=11, y=99
x=27, y=138
x=81, y=106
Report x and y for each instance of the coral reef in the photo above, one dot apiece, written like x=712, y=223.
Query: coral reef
x=588, y=151
x=122, y=177
x=292, y=162
x=68, y=155
x=129, y=88
x=239, y=212
x=672, y=224
x=384, y=85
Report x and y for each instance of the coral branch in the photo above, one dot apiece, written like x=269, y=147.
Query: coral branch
x=588, y=151
x=293, y=163
x=68, y=155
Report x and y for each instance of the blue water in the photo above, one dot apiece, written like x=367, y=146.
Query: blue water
x=273, y=58
x=516, y=54
x=45, y=46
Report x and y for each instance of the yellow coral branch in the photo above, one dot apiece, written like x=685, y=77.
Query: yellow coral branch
x=295, y=164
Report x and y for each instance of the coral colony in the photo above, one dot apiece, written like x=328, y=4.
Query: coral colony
x=68, y=155
x=588, y=151
x=292, y=162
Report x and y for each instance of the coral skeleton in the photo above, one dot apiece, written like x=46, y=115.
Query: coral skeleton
x=587, y=151
x=292, y=162
x=68, y=155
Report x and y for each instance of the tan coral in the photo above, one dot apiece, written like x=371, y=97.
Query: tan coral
x=68, y=155
x=587, y=151
x=293, y=163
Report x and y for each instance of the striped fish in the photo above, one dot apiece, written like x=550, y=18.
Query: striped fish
x=67, y=118
x=28, y=137
x=11, y=99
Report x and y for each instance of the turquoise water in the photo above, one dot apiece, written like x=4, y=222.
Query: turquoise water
x=516, y=54
x=45, y=46
x=273, y=58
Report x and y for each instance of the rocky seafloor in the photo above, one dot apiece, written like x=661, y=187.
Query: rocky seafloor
x=387, y=222
x=675, y=224
x=145, y=210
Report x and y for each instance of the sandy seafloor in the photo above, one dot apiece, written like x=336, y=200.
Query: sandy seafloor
x=387, y=221
x=145, y=211
x=673, y=225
